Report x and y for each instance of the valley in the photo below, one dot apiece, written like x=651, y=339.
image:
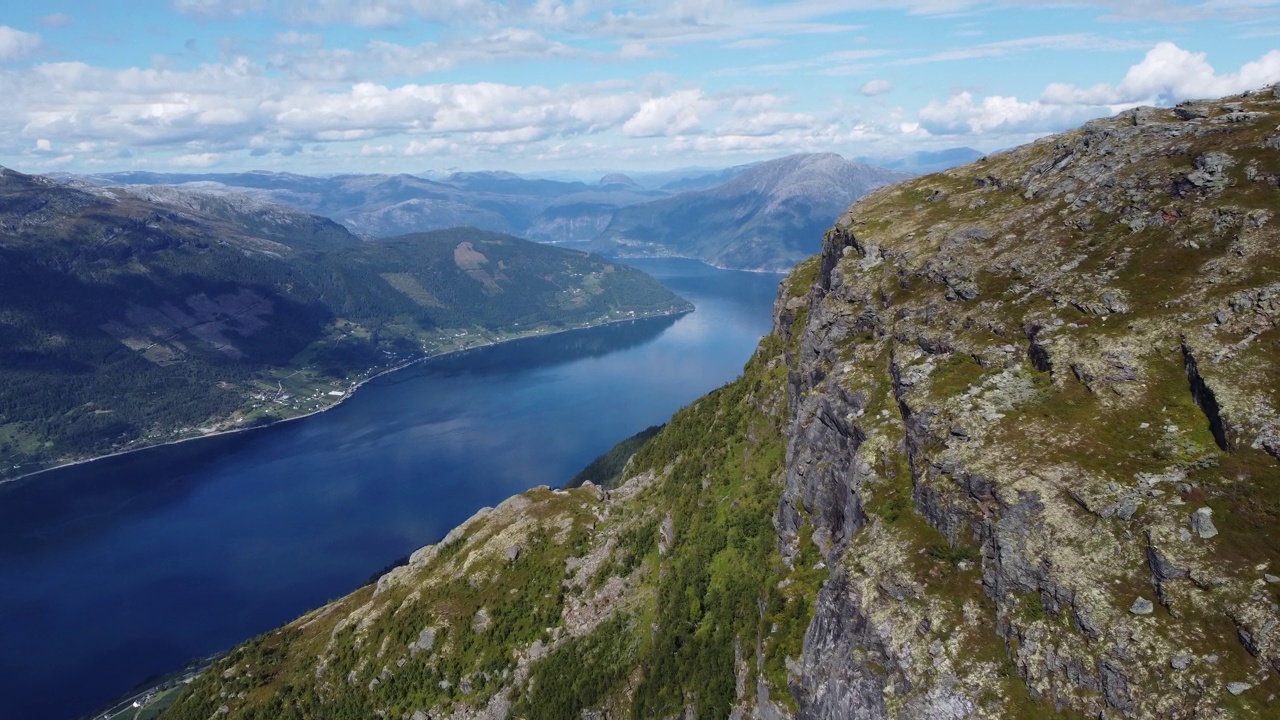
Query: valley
x=172, y=324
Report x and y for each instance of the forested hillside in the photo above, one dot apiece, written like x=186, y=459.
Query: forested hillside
x=125, y=322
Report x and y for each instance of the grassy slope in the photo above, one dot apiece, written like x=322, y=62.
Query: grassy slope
x=667, y=617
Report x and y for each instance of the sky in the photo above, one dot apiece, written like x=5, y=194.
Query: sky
x=535, y=86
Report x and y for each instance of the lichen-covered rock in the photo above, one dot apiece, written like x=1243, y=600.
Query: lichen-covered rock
x=1079, y=453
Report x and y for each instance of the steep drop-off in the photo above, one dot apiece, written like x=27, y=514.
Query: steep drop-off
x=1011, y=451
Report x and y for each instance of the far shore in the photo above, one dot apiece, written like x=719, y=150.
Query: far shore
x=705, y=262
x=346, y=395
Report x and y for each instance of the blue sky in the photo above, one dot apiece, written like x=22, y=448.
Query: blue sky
x=534, y=86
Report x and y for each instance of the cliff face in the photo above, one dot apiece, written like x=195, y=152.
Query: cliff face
x=1035, y=428
x=1011, y=450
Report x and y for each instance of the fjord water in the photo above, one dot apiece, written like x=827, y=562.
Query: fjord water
x=121, y=569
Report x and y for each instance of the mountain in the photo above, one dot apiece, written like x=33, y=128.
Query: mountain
x=705, y=180
x=778, y=202
x=377, y=206
x=767, y=217
x=926, y=161
x=581, y=216
x=135, y=316
x=1012, y=450
x=258, y=217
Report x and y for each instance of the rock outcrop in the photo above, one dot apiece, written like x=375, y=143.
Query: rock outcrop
x=1014, y=380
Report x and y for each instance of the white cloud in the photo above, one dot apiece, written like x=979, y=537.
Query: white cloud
x=1167, y=75
x=16, y=44
x=1078, y=41
x=305, y=58
x=434, y=146
x=56, y=20
x=872, y=88
x=963, y=115
x=195, y=160
x=674, y=114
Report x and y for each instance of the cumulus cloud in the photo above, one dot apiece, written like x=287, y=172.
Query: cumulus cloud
x=16, y=44
x=674, y=114
x=1166, y=75
x=872, y=88
x=962, y=114
x=195, y=160
x=205, y=114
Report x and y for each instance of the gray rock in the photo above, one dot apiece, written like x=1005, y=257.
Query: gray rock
x=1237, y=688
x=426, y=640
x=1180, y=662
x=1142, y=606
x=1210, y=172
x=1271, y=578
x=1115, y=687
x=513, y=553
x=1126, y=509
x=1202, y=523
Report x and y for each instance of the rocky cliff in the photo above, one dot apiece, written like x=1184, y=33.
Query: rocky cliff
x=1011, y=451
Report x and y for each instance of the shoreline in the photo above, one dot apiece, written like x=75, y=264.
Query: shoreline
x=346, y=396
x=704, y=262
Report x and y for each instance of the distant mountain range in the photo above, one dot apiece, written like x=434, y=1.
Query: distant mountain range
x=928, y=161
x=133, y=316
x=768, y=217
x=545, y=210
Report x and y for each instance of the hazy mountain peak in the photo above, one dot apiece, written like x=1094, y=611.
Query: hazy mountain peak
x=618, y=179
x=768, y=216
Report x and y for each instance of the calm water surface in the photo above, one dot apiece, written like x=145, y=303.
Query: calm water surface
x=115, y=571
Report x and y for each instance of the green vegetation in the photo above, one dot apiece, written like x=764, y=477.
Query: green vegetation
x=695, y=599
x=124, y=324
x=606, y=470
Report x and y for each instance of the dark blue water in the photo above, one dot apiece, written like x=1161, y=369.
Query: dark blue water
x=117, y=570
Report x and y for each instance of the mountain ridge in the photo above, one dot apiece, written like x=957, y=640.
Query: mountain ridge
x=554, y=211
x=764, y=218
